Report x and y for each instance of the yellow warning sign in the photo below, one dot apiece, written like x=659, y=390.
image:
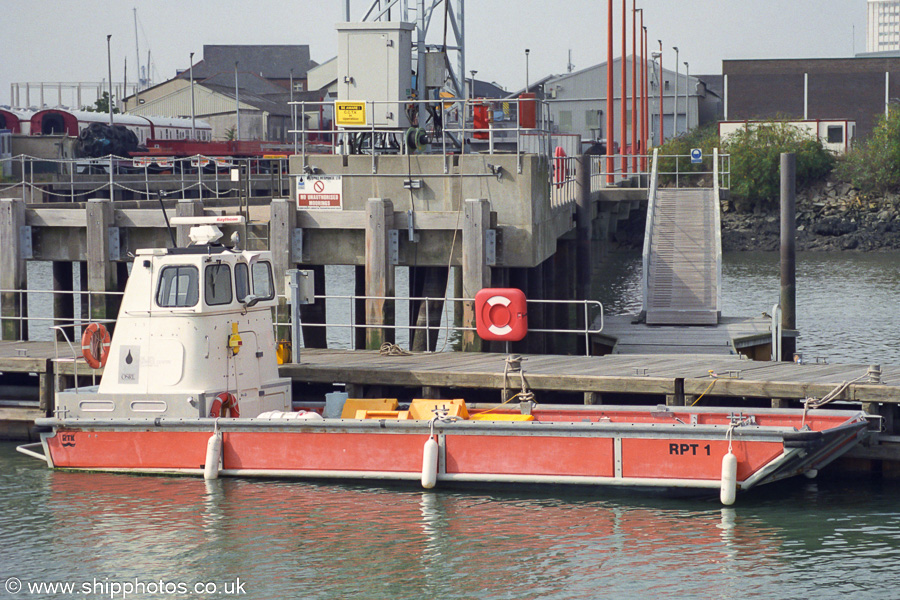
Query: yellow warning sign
x=350, y=114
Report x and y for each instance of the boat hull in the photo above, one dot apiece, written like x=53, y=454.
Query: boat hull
x=602, y=448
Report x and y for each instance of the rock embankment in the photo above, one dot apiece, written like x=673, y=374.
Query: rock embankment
x=830, y=216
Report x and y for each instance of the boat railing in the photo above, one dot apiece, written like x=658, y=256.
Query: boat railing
x=446, y=328
x=73, y=357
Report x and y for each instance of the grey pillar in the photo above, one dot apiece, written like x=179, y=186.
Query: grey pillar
x=101, y=272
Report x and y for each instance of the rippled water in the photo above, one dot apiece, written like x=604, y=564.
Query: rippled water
x=287, y=539
x=846, y=302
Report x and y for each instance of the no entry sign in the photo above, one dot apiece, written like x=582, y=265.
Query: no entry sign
x=320, y=191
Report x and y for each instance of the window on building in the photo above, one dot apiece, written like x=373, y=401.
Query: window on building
x=217, y=284
x=565, y=121
x=835, y=134
x=592, y=119
x=178, y=286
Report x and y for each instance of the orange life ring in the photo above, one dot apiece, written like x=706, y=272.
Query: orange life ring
x=560, y=168
x=501, y=314
x=225, y=402
x=95, y=345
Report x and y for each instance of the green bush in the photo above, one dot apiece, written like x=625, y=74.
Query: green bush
x=874, y=165
x=706, y=138
x=756, y=161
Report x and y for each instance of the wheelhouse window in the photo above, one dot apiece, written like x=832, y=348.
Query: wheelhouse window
x=217, y=284
x=178, y=286
x=241, y=281
x=263, y=285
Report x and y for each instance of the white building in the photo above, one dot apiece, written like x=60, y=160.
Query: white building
x=883, y=26
x=578, y=102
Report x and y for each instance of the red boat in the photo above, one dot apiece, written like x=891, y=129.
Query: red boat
x=191, y=386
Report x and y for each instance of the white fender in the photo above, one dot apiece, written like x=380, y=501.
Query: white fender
x=213, y=455
x=429, y=463
x=504, y=301
x=729, y=479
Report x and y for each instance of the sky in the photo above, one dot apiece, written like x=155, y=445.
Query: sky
x=65, y=40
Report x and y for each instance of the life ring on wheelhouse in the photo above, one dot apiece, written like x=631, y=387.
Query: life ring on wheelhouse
x=225, y=402
x=95, y=345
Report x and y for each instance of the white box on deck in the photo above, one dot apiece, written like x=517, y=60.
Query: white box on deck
x=375, y=64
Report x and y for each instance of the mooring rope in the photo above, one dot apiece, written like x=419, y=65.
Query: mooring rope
x=389, y=349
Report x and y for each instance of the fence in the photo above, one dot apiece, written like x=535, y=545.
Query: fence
x=447, y=332
x=197, y=176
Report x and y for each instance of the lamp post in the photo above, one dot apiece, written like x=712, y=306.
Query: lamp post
x=293, y=111
x=109, y=101
x=645, y=109
x=655, y=56
x=237, y=103
x=193, y=115
x=687, y=106
x=662, y=135
x=675, y=110
x=472, y=85
x=527, y=85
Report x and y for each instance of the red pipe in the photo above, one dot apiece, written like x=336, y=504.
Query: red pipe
x=634, y=165
x=610, y=165
x=624, y=127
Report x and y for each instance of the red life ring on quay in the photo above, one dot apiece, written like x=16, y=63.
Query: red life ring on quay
x=501, y=314
x=225, y=405
x=95, y=345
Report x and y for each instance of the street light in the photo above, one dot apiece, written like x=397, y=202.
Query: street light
x=472, y=85
x=675, y=110
x=687, y=106
x=655, y=56
x=662, y=135
x=193, y=116
x=293, y=112
x=109, y=105
x=237, y=103
x=527, y=52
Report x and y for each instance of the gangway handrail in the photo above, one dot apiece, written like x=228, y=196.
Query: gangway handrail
x=717, y=216
x=648, y=229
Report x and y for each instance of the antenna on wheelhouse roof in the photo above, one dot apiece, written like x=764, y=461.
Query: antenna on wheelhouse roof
x=159, y=196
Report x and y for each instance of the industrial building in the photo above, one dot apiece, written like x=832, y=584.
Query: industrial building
x=853, y=89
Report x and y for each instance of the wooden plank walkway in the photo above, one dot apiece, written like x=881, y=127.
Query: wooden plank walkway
x=627, y=336
x=655, y=374
x=661, y=374
x=683, y=270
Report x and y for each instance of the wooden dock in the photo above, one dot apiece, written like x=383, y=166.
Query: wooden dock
x=677, y=378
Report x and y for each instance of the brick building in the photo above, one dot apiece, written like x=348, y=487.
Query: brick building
x=857, y=89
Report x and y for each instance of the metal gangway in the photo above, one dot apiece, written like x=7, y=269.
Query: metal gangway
x=682, y=256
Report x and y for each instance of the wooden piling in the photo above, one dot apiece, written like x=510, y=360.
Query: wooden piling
x=101, y=272
x=379, y=272
x=429, y=282
x=475, y=272
x=788, y=252
x=583, y=224
x=282, y=223
x=12, y=269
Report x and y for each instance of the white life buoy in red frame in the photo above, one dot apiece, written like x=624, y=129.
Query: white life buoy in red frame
x=501, y=314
